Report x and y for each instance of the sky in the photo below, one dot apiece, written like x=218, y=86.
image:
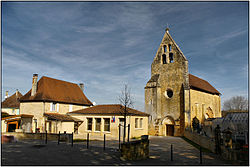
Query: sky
x=106, y=45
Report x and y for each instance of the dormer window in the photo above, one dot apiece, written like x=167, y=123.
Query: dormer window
x=164, y=59
x=169, y=47
x=171, y=57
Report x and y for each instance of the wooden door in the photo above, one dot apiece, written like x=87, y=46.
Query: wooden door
x=170, y=130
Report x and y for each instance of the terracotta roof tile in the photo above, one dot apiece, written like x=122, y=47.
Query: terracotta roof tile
x=109, y=109
x=61, y=117
x=201, y=84
x=53, y=90
x=12, y=101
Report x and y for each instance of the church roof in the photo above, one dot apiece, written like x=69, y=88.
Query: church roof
x=53, y=90
x=109, y=109
x=200, y=84
x=12, y=101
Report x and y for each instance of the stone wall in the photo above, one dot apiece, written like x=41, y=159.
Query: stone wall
x=238, y=156
x=201, y=101
x=135, y=150
x=22, y=136
x=172, y=77
x=203, y=141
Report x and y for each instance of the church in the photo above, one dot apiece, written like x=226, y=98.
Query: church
x=173, y=96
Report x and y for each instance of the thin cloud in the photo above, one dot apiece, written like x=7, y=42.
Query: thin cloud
x=107, y=44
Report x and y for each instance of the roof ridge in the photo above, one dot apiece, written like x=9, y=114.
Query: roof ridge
x=199, y=78
x=106, y=104
x=196, y=84
x=57, y=80
x=52, y=89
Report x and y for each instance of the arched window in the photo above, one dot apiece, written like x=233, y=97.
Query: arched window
x=164, y=48
x=170, y=48
x=164, y=60
x=171, y=57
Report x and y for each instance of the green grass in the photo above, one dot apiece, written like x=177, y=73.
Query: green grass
x=196, y=145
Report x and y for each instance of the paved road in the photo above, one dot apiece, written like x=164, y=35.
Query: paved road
x=34, y=152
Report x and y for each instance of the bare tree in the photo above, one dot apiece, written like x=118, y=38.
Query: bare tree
x=237, y=103
x=126, y=102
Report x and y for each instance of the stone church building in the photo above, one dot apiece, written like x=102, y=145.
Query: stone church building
x=173, y=97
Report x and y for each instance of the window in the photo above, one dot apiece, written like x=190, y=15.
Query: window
x=53, y=107
x=107, y=124
x=196, y=109
x=164, y=48
x=70, y=107
x=136, y=122
x=164, y=60
x=121, y=121
x=13, y=111
x=141, y=122
x=171, y=57
x=89, y=123
x=57, y=107
x=169, y=93
x=17, y=111
x=203, y=111
x=98, y=124
x=169, y=46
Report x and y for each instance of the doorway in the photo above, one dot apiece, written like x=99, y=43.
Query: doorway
x=169, y=130
x=121, y=124
x=12, y=126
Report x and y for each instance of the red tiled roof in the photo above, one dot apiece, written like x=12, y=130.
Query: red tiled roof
x=61, y=117
x=109, y=109
x=53, y=90
x=201, y=84
x=12, y=101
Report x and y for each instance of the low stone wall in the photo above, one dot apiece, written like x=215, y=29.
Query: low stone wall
x=42, y=136
x=203, y=141
x=136, y=150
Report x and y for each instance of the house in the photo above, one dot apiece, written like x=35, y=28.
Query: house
x=11, y=104
x=17, y=123
x=48, y=101
x=173, y=97
x=105, y=119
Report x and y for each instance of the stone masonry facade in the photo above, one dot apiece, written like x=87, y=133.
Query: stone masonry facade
x=168, y=94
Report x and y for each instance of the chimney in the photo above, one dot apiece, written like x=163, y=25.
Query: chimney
x=16, y=92
x=34, y=84
x=6, y=94
x=81, y=85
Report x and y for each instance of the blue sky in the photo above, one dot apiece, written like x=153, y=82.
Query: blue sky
x=108, y=44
